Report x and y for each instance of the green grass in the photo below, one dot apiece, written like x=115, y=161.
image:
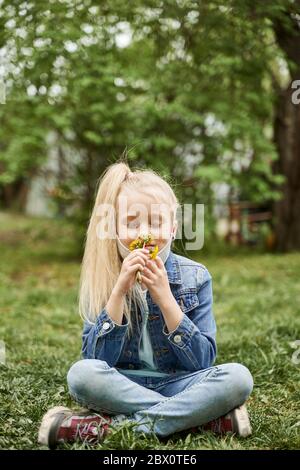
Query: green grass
x=256, y=304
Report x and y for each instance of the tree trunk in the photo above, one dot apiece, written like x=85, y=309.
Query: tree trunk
x=14, y=195
x=287, y=138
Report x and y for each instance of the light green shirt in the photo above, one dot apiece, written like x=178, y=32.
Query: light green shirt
x=146, y=351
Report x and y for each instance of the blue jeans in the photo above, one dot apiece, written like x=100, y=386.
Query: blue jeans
x=162, y=405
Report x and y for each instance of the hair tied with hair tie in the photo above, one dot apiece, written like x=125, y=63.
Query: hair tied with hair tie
x=128, y=175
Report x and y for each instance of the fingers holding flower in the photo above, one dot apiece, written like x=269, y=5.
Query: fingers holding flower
x=154, y=276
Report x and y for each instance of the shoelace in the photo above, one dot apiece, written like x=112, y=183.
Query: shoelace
x=93, y=427
x=217, y=425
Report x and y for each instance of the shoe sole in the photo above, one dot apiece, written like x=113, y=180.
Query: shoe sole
x=49, y=425
x=241, y=422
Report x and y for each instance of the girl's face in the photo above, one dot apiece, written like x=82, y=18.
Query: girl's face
x=138, y=214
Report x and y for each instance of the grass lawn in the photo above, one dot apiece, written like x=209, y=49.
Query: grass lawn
x=257, y=308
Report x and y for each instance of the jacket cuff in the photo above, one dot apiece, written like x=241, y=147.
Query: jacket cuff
x=104, y=324
x=182, y=333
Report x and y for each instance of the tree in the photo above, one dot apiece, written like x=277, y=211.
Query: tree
x=189, y=86
x=287, y=132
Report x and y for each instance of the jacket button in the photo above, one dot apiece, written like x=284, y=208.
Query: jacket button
x=105, y=326
x=177, y=338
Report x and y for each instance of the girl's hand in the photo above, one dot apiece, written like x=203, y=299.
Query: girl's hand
x=136, y=260
x=155, y=277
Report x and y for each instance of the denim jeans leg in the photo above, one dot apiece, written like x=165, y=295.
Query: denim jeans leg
x=97, y=386
x=197, y=399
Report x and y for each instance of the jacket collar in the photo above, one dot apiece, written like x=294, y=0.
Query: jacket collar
x=173, y=269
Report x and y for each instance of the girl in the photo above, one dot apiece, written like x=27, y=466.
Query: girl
x=148, y=348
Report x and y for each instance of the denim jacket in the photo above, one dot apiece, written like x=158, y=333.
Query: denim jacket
x=190, y=347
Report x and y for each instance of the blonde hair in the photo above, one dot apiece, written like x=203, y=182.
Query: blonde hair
x=101, y=264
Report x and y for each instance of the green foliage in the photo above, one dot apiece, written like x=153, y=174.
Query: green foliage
x=191, y=94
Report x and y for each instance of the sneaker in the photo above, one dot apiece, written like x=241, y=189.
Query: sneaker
x=62, y=424
x=236, y=421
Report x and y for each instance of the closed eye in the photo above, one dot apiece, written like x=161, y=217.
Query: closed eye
x=155, y=223
x=133, y=223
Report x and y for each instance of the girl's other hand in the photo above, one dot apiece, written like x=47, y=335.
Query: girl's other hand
x=155, y=277
x=131, y=264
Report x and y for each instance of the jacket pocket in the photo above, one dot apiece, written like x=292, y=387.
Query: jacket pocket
x=187, y=299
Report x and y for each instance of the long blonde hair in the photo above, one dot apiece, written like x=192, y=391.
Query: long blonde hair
x=101, y=264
